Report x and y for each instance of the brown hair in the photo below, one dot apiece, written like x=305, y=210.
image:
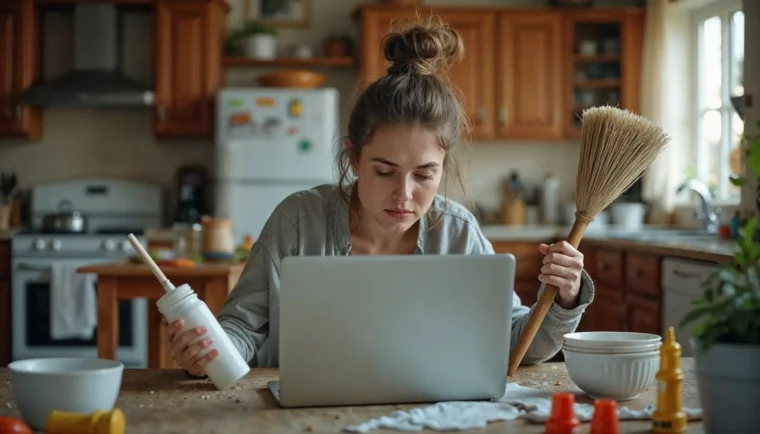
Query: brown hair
x=415, y=91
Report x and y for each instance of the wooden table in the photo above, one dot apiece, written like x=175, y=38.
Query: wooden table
x=124, y=280
x=156, y=401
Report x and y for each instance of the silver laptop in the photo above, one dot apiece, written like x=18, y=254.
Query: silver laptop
x=358, y=330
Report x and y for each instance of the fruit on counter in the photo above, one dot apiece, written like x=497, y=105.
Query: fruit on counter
x=243, y=249
x=156, y=256
x=11, y=425
x=176, y=262
x=247, y=243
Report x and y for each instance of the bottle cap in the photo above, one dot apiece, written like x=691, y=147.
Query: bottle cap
x=562, y=418
x=605, y=419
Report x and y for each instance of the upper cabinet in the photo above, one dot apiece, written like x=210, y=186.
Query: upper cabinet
x=188, y=47
x=188, y=62
x=19, y=68
x=527, y=73
x=602, y=61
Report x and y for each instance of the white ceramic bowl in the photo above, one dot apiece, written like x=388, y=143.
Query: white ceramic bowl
x=79, y=385
x=611, y=340
x=643, y=349
x=613, y=376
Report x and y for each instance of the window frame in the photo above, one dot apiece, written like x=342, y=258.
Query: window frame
x=724, y=9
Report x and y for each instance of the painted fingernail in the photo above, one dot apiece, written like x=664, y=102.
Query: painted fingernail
x=208, y=341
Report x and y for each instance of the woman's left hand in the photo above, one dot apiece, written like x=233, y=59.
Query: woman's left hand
x=562, y=268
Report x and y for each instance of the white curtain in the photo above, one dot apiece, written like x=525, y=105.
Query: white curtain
x=665, y=97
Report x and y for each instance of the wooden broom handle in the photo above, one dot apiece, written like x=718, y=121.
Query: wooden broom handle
x=542, y=307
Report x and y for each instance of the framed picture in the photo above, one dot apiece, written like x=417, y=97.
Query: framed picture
x=286, y=13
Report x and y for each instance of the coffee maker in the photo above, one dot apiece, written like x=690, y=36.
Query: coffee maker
x=191, y=188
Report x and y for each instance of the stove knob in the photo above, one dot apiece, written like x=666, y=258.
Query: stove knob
x=126, y=246
x=109, y=245
x=55, y=244
x=38, y=244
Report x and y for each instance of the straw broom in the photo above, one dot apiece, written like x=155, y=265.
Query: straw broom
x=617, y=146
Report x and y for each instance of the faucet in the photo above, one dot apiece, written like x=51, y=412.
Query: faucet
x=710, y=217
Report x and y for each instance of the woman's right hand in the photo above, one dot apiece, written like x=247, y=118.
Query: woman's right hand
x=186, y=355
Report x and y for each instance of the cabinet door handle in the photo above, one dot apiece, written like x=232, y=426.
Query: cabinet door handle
x=502, y=116
x=161, y=113
x=482, y=114
x=685, y=274
x=19, y=112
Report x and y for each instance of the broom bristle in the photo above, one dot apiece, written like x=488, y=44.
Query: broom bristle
x=617, y=146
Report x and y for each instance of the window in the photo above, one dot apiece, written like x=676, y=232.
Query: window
x=719, y=31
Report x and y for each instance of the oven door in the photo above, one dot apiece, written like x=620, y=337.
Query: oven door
x=32, y=317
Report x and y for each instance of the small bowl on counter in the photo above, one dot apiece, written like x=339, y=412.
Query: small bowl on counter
x=612, y=365
x=77, y=385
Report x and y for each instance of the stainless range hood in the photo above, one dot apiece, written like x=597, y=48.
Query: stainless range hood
x=96, y=80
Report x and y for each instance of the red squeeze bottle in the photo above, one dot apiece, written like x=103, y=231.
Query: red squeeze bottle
x=605, y=419
x=562, y=419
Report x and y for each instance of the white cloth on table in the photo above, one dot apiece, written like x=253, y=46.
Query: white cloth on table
x=518, y=401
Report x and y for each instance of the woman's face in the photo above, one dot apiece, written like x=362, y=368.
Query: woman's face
x=398, y=174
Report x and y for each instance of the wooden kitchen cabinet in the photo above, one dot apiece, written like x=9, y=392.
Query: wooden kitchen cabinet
x=189, y=38
x=529, y=75
x=473, y=75
x=611, y=73
x=528, y=266
x=19, y=68
x=521, y=76
x=606, y=312
x=5, y=303
x=628, y=295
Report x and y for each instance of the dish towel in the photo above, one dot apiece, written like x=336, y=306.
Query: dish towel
x=518, y=401
x=73, y=303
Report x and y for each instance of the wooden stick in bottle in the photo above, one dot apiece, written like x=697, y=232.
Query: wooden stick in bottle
x=168, y=286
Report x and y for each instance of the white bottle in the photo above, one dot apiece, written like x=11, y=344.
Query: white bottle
x=550, y=200
x=182, y=302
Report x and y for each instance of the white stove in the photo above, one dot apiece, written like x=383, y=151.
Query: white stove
x=114, y=208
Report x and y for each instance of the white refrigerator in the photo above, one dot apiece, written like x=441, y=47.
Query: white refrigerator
x=271, y=142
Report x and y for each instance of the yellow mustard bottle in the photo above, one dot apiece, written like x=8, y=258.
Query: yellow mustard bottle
x=669, y=417
x=97, y=422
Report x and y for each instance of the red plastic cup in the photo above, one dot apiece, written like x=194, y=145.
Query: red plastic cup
x=605, y=419
x=562, y=419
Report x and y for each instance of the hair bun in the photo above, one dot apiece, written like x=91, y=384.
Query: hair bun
x=425, y=47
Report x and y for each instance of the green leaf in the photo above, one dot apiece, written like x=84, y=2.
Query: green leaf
x=737, y=180
x=695, y=314
x=749, y=231
x=754, y=155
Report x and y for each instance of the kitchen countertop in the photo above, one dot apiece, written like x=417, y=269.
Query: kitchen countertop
x=155, y=401
x=201, y=269
x=698, y=248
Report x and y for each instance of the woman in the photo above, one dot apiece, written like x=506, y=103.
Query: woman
x=403, y=135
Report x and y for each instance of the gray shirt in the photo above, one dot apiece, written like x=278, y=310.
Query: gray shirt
x=315, y=222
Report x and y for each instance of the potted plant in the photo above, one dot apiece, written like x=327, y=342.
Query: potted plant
x=258, y=40
x=726, y=336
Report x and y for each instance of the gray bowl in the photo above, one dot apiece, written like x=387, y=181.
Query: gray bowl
x=78, y=385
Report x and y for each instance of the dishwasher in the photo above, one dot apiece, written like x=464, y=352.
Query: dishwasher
x=681, y=283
